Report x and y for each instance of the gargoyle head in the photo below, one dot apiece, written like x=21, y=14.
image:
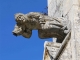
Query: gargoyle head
x=20, y=18
x=17, y=30
x=20, y=29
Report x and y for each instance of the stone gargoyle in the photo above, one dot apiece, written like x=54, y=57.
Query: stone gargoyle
x=47, y=27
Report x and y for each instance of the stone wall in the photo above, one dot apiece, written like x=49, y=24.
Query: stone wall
x=70, y=10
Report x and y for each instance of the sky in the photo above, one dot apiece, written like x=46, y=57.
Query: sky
x=19, y=48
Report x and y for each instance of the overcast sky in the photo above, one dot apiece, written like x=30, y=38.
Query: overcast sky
x=19, y=48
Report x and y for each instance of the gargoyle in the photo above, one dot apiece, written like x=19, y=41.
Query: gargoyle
x=47, y=27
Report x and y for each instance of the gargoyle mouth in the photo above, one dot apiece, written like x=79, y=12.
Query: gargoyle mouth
x=14, y=34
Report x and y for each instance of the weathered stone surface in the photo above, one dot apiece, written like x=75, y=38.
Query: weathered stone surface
x=50, y=50
x=47, y=26
x=55, y=50
x=70, y=10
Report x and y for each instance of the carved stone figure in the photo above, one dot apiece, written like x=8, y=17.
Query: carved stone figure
x=47, y=27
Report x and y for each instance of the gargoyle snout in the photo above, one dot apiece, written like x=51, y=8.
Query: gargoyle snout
x=15, y=34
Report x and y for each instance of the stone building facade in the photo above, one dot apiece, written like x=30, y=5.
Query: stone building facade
x=70, y=10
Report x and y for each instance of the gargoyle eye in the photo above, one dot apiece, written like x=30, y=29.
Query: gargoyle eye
x=19, y=17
